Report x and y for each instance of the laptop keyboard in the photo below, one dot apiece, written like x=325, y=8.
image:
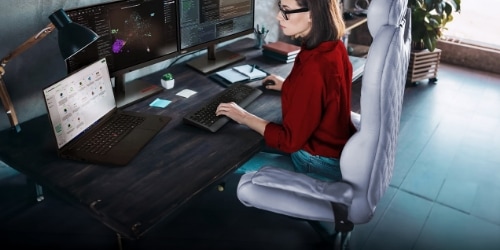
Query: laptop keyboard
x=204, y=117
x=110, y=134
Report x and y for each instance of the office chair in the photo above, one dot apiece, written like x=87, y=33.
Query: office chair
x=367, y=160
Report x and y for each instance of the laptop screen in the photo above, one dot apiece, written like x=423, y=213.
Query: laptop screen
x=79, y=100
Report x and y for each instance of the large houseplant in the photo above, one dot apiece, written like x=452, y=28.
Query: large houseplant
x=429, y=18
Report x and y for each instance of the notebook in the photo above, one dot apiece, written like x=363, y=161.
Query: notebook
x=239, y=74
x=282, y=48
x=82, y=105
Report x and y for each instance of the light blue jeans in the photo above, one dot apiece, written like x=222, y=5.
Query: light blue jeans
x=319, y=167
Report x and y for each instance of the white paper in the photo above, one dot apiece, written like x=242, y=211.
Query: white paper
x=186, y=93
x=250, y=71
x=358, y=65
x=241, y=73
x=232, y=75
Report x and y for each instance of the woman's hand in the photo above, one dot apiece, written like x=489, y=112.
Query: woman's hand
x=278, y=82
x=233, y=111
x=241, y=116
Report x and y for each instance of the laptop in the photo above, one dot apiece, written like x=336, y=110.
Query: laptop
x=82, y=106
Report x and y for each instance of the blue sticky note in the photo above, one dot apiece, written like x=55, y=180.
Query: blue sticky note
x=160, y=103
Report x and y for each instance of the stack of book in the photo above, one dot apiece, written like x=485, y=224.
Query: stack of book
x=281, y=51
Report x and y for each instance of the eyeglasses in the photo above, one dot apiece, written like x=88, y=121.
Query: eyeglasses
x=286, y=12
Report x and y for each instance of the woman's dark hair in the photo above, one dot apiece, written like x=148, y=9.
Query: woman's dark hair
x=327, y=22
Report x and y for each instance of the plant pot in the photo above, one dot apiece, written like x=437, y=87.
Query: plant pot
x=417, y=46
x=424, y=64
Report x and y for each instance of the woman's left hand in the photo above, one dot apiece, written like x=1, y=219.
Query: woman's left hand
x=233, y=111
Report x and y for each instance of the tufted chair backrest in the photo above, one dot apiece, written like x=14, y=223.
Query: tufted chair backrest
x=367, y=160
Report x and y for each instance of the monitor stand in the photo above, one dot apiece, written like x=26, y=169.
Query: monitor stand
x=214, y=60
x=131, y=92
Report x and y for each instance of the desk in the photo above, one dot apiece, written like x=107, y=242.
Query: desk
x=357, y=59
x=355, y=49
x=355, y=22
x=180, y=162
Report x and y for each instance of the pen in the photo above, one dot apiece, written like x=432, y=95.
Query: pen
x=253, y=67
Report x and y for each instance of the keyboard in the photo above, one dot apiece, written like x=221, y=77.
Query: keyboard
x=204, y=117
x=110, y=134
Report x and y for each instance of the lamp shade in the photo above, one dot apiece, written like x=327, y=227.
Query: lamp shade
x=72, y=37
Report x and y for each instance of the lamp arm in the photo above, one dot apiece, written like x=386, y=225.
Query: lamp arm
x=4, y=95
x=7, y=103
x=26, y=45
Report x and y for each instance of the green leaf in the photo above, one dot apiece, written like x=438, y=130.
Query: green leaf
x=429, y=44
x=429, y=4
x=455, y=4
x=429, y=18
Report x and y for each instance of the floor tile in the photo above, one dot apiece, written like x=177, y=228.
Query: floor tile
x=458, y=194
x=362, y=232
x=487, y=203
x=447, y=228
x=401, y=223
x=425, y=180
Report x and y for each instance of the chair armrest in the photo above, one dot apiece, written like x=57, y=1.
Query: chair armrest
x=337, y=192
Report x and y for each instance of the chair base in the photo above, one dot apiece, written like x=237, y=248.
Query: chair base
x=338, y=240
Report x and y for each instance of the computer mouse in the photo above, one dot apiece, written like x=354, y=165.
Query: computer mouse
x=268, y=82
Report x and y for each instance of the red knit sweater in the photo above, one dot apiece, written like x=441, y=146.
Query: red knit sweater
x=316, y=103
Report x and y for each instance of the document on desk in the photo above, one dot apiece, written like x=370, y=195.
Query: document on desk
x=232, y=75
x=358, y=66
x=241, y=73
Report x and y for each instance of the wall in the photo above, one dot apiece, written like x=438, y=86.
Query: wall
x=470, y=56
x=37, y=67
x=27, y=74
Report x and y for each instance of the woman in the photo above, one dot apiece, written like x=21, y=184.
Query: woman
x=316, y=95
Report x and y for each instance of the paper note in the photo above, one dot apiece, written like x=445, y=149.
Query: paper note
x=160, y=103
x=186, y=93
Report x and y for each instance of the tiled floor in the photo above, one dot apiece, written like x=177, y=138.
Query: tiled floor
x=445, y=191
x=444, y=194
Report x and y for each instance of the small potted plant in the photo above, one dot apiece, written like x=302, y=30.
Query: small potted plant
x=429, y=19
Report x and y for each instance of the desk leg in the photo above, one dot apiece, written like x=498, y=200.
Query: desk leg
x=39, y=193
x=119, y=238
x=38, y=189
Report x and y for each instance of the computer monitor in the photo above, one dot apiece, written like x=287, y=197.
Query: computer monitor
x=205, y=23
x=133, y=34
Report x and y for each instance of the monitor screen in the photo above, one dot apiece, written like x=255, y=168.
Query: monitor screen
x=205, y=23
x=133, y=34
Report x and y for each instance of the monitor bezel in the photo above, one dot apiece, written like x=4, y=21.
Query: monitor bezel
x=212, y=45
x=129, y=92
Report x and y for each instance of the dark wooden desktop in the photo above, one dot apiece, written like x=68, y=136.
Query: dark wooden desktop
x=179, y=163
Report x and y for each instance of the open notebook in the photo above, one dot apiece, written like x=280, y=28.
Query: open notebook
x=86, y=123
x=239, y=74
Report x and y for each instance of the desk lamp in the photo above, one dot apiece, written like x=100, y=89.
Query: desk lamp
x=72, y=38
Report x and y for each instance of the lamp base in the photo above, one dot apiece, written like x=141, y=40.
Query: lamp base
x=16, y=128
